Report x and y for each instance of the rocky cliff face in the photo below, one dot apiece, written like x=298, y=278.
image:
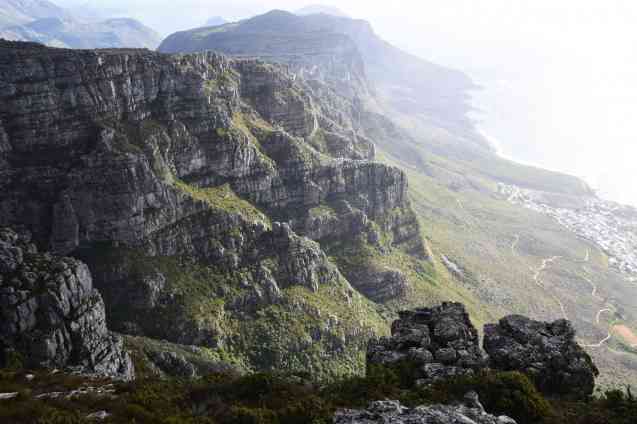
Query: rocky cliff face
x=51, y=316
x=168, y=175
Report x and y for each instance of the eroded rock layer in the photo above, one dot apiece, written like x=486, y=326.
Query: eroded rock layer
x=190, y=185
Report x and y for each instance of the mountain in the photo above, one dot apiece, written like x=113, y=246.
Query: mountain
x=215, y=21
x=406, y=83
x=70, y=33
x=17, y=12
x=542, y=261
x=321, y=9
x=224, y=198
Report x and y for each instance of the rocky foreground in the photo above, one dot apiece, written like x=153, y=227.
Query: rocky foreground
x=392, y=412
x=51, y=316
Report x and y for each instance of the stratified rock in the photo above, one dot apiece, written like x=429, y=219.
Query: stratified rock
x=547, y=352
x=392, y=412
x=51, y=315
x=165, y=172
x=441, y=342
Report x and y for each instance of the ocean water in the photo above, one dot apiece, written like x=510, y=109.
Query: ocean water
x=562, y=125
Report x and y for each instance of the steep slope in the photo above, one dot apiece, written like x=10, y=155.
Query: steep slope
x=170, y=175
x=70, y=33
x=482, y=243
x=17, y=12
x=428, y=101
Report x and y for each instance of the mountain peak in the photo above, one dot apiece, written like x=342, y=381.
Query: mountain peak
x=321, y=9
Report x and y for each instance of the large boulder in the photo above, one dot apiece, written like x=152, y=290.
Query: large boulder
x=392, y=412
x=50, y=314
x=441, y=342
x=547, y=352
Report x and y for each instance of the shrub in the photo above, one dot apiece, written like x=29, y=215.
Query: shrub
x=501, y=393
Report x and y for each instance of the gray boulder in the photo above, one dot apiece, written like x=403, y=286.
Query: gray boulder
x=441, y=342
x=50, y=314
x=392, y=412
x=547, y=352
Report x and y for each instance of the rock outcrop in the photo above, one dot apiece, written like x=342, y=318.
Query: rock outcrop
x=50, y=314
x=441, y=342
x=167, y=175
x=547, y=352
x=392, y=412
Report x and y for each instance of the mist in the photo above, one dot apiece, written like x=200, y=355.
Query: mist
x=556, y=77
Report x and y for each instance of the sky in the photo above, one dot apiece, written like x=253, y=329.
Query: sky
x=558, y=75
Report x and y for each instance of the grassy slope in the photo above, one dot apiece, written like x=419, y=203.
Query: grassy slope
x=465, y=220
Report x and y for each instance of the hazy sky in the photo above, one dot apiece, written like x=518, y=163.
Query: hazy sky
x=560, y=72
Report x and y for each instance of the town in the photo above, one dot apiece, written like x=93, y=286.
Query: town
x=611, y=226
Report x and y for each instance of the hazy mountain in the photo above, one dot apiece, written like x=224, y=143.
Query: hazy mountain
x=321, y=9
x=215, y=21
x=68, y=32
x=16, y=12
x=408, y=83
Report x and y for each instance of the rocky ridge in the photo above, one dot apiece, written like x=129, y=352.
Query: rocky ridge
x=441, y=343
x=189, y=183
x=52, y=316
x=547, y=352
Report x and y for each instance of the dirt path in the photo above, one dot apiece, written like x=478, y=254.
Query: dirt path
x=594, y=294
x=536, y=278
x=598, y=321
x=515, y=244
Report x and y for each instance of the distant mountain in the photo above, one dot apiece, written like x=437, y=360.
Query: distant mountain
x=407, y=84
x=17, y=12
x=68, y=32
x=215, y=21
x=321, y=9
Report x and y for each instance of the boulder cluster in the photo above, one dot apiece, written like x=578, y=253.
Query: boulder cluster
x=51, y=316
x=392, y=412
x=442, y=342
x=545, y=351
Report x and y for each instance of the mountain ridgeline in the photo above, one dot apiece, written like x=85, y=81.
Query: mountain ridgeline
x=218, y=202
x=44, y=22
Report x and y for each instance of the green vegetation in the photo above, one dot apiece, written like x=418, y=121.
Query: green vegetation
x=267, y=398
x=224, y=198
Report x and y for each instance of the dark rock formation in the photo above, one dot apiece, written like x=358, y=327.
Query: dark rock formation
x=547, y=352
x=441, y=342
x=392, y=412
x=50, y=314
x=167, y=175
